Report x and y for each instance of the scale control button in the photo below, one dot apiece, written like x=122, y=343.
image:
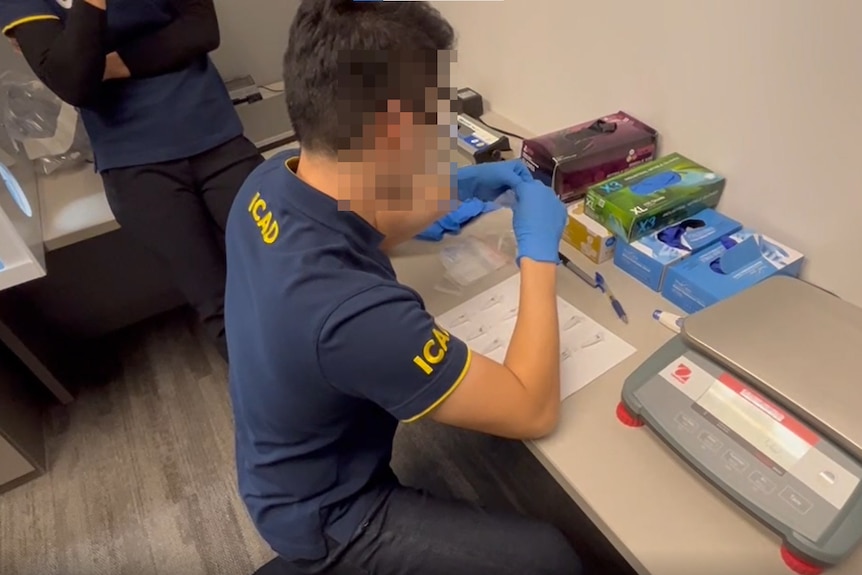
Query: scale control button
x=709, y=441
x=685, y=422
x=795, y=500
x=734, y=461
x=762, y=482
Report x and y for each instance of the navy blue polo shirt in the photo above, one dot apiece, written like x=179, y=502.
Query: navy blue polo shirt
x=327, y=353
x=147, y=120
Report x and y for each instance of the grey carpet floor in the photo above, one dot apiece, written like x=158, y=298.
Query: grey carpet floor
x=142, y=481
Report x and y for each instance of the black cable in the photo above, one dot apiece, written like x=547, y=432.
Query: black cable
x=512, y=134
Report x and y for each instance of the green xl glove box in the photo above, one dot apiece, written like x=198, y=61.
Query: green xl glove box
x=653, y=196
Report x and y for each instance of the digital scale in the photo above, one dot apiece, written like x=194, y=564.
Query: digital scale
x=761, y=394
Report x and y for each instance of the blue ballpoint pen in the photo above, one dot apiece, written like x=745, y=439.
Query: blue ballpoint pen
x=615, y=303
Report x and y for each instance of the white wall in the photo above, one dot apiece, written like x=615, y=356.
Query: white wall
x=254, y=35
x=766, y=91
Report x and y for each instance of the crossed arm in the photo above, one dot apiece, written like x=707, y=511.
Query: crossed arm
x=72, y=59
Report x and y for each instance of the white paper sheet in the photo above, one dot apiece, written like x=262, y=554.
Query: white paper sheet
x=486, y=323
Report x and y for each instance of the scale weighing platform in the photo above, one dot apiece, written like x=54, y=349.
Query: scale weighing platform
x=761, y=394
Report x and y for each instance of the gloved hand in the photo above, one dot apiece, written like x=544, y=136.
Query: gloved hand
x=538, y=218
x=488, y=181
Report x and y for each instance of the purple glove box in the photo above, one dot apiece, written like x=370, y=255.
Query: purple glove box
x=575, y=158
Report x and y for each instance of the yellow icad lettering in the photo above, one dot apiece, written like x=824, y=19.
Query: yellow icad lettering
x=431, y=356
x=442, y=338
x=254, y=199
x=264, y=222
x=271, y=233
x=423, y=365
x=259, y=206
x=264, y=219
x=434, y=351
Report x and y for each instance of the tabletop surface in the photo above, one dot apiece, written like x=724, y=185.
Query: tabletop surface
x=73, y=205
x=662, y=518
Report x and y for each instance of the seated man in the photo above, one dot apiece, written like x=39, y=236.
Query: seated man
x=329, y=351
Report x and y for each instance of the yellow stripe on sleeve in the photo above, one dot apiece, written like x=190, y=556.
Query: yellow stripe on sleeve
x=27, y=20
x=451, y=390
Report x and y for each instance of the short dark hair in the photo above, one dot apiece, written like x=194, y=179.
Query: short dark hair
x=346, y=59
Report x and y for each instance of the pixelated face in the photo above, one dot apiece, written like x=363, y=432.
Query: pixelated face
x=408, y=145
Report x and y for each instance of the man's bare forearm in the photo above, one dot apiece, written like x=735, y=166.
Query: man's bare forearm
x=534, y=351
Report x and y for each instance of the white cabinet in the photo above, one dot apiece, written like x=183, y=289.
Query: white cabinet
x=22, y=255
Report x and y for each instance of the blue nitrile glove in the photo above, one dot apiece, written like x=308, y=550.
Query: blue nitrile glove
x=454, y=221
x=538, y=218
x=487, y=181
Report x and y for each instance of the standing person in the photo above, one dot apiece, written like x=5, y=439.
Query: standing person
x=329, y=351
x=166, y=138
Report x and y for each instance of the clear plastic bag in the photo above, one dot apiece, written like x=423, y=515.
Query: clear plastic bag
x=48, y=130
x=468, y=259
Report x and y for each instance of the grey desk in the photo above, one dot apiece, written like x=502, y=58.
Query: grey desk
x=659, y=515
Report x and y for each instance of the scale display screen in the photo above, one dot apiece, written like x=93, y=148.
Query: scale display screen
x=779, y=467
x=760, y=425
x=756, y=426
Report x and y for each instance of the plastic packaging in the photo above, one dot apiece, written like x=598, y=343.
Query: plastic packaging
x=48, y=130
x=506, y=199
x=469, y=259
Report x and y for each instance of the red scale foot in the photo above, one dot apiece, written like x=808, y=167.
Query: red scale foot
x=626, y=418
x=798, y=565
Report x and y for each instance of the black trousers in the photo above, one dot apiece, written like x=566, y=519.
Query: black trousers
x=414, y=533
x=179, y=211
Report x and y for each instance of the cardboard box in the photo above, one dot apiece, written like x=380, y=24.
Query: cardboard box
x=736, y=263
x=649, y=258
x=571, y=160
x=588, y=236
x=653, y=196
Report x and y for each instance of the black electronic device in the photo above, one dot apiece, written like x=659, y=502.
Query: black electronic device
x=479, y=141
x=470, y=102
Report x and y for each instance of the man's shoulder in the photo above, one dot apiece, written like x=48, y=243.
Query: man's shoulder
x=262, y=187
x=279, y=164
x=273, y=169
x=368, y=300
x=16, y=12
x=272, y=174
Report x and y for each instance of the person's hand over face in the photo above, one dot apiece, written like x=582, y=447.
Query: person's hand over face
x=488, y=181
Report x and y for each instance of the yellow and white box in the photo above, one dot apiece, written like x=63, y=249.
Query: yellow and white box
x=588, y=236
